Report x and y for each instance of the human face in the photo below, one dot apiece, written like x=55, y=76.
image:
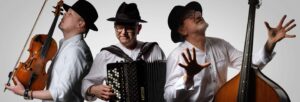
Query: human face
x=126, y=33
x=194, y=23
x=70, y=21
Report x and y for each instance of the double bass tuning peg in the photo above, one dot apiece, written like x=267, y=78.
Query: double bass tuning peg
x=59, y=13
x=61, y=9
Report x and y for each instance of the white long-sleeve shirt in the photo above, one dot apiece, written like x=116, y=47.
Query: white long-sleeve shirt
x=98, y=72
x=221, y=54
x=68, y=68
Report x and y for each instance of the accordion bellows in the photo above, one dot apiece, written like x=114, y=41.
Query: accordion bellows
x=137, y=81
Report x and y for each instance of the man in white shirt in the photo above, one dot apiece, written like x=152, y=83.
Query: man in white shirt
x=196, y=76
x=73, y=59
x=127, y=27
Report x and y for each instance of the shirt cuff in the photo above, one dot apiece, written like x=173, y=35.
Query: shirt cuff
x=54, y=94
x=266, y=57
x=86, y=86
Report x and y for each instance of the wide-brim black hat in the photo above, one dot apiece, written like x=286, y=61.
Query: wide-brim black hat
x=175, y=19
x=87, y=11
x=127, y=13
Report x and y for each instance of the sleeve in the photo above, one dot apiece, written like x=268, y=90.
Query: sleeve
x=262, y=58
x=235, y=56
x=71, y=72
x=156, y=54
x=96, y=75
x=259, y=59
x=175, y=85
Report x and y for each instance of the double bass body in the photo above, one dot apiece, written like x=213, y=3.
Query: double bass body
x=250, y=85
x=262, y=89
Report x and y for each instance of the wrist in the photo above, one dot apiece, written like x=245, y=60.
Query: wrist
x=189, y=81
x=27, y=94
x=188, y=78
x=89, y=91
x=270, y=46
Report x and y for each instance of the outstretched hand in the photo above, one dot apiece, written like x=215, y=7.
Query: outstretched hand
x=280, y=32
x=191, y=66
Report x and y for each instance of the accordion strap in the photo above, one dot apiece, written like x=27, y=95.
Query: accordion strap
x=146, y=48
x=117, y=51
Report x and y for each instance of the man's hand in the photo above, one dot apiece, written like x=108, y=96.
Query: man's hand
x=280, y=32
x=18, y=88
x=103, y=92
x=191, y=66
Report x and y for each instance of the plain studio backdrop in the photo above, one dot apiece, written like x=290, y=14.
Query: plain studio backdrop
x=227, y=19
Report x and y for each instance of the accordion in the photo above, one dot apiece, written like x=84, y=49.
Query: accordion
x=137, y=81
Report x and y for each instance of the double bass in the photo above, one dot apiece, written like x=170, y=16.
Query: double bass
x=32, y=73
x=250, y=85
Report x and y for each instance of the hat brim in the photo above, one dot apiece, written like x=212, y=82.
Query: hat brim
x=66, y=7
x=91, y=26
x=125, y=20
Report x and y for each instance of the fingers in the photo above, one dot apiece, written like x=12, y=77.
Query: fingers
x=184, y=57
x=17, y=80
x=106, y=92
x=107, y=89
x=290, y=36
x=189, y=54
x=281, y=21
x=287, y=24
x=181, y=65
x=267, y=25
x=13, y=89
x=105, y=97
x=205, y=65
x=9, y=87
x=194, y=54
x=291, y=27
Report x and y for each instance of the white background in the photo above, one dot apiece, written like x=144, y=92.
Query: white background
x=227, y=19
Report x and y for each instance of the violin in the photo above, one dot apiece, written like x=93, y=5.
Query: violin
x=43, y=48
x=250, y=85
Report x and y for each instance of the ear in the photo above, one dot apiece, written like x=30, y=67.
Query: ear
x=139, y=28
x=81, y=25
x=182, y=30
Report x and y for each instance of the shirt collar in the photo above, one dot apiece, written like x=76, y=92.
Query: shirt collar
x=190, y=46
x=75, y=38
x=137, y=47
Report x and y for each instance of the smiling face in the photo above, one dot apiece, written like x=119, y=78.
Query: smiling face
x=126, y=33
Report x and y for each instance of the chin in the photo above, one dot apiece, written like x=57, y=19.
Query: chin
x=124, y=42
x=60, y=26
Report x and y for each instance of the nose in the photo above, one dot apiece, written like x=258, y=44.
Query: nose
x=124, y=32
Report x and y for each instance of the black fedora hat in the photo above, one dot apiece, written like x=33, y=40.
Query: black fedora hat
x=127, y=13
x=87, y=11
x=175, y=19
